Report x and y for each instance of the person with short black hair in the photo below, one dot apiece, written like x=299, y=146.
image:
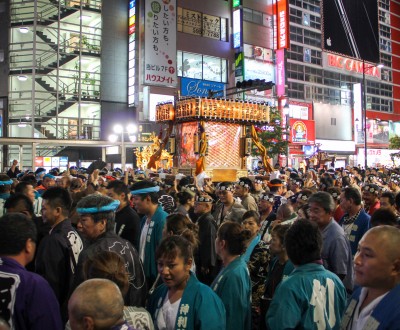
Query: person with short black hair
x=257, y=257
x=279, y=268
x=311, y=297
x=58, y=252
x=145, y=200
x=182, y=301
x=355, y=222
x=19, y=203
x=336, y=249
x=227, y=208
x=276, y=188
x=206, y=256
x=267, y=216
x=388, y=201
x=127, y=221
x=27, y=301
x=13, y=170
x=186, y=202
x=243, y=190
x=370, y=193
x=233, y=284
x=383, y=216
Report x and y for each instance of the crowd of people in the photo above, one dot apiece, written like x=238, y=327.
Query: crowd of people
x=292, y=249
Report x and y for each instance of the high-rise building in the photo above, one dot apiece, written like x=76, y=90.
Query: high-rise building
x=70, y=69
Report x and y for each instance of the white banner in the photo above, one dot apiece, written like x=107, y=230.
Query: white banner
x=160, y=43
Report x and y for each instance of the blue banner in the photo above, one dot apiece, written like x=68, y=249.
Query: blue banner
x=195, y=87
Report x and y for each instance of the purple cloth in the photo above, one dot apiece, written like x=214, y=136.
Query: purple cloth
x=26, y=299
x=123, y=326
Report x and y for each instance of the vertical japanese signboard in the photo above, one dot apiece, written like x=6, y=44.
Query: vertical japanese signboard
x=132, y=54
x=282, y=23
x=280, y=72
x=160, y=43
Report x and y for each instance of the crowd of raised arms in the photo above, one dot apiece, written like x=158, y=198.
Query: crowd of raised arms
x=290, y=249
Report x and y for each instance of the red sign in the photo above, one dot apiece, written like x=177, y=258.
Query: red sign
x=302, y=131
x=352, y=65
x=282, y=19
x=38, y=161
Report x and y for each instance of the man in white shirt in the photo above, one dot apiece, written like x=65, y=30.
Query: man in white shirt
x=376, y=304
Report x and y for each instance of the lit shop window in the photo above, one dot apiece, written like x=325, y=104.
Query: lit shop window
x=203, y=67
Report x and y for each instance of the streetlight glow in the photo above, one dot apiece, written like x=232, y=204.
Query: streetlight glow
x=118, y=129
x=131, y=128
x=113, y=138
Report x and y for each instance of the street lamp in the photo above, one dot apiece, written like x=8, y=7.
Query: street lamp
x=118, y=129
x=364, y=106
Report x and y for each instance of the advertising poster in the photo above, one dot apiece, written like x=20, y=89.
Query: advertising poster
x=160, y=45
x=302, y=131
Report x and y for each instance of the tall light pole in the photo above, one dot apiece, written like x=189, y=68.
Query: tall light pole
x=364, y=107
x=119, y=129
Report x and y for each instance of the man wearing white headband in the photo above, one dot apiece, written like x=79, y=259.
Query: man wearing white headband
x=227, y=208
x=207, y=256
x=242, y=190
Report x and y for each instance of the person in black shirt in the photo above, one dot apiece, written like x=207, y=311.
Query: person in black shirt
x=126, y=219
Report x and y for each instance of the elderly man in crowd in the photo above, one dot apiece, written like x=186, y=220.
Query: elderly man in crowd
x=97, y=304
x=96, y=224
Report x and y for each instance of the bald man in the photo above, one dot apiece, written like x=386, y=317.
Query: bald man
x=97, y=304
x=376, y=304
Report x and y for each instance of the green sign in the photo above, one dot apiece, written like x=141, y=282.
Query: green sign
x=236, y=3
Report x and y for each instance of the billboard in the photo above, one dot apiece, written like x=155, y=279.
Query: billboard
x=132, y=52
x=302, y=131
x=160, y=48
x=280, y=72
x=350, y=27
x=281, y=13
x=196, y=87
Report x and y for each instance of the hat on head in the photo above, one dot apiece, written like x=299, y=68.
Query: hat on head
x=268, y=197
x=204, y=199
x=372, y=188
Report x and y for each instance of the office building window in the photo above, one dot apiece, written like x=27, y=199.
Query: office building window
x=256, y=17
x=295, y=53
x=295, y=71
x=307, y=55
x=203, y=67
x=199, y=24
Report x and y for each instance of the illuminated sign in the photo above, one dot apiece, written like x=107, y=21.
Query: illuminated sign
x=131, y=54
x=236, y=3
x=237, y=28
x=302, y=131
x=160, y=55
x=351, y=65
x=282, y=18
x=280, y=72
x=195, y=87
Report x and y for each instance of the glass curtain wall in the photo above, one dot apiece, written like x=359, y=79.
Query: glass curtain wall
x=54, y=80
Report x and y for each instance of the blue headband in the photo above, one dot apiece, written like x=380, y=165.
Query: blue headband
x=48, y=175
x=40, y=173
x=3, y=183
x=145, y=190
x=105, y=208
